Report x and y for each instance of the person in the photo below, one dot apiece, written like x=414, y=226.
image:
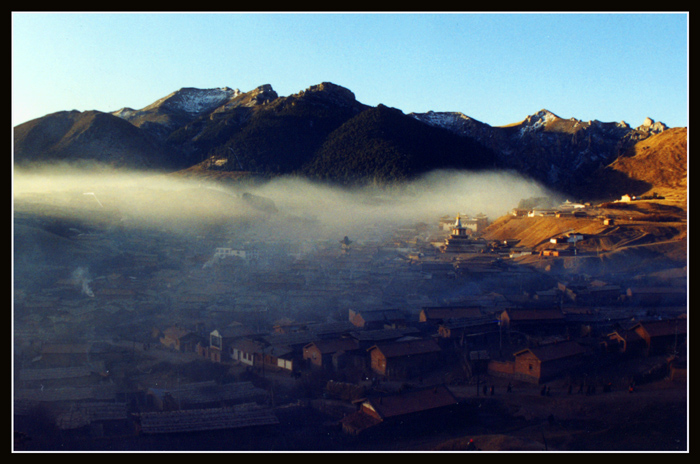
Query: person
x=471, y=446
x=631, y=388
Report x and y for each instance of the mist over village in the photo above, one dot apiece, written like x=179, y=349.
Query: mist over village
x=403, y=232
x=155, y=312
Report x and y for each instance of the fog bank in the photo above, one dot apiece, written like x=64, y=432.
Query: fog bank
x=293, y=205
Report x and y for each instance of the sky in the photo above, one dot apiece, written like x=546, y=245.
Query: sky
x=497, y=68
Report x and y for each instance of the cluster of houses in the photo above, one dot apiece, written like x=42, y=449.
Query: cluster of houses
x=627, y=197
x=392, y=330
x=565, y=209
x=534, y=345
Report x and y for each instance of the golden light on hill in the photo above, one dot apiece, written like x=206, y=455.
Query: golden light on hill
x=662, y=161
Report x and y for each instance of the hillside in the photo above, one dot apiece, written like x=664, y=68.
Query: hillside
x=87, y=137
x=659, y=163
x=281, y=137
x=384, y=144
x=645, y=237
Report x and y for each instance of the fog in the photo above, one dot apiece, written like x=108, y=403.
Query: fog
x=286, y=207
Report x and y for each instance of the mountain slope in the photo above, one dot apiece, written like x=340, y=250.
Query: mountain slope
x=384, y=144
x=280, y=137
x=658, y=164
x=90, y=136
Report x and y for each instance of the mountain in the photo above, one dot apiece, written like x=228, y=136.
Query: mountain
x=278, y=136
x=325, y=133
x=87, y=137
x=560, y=153
x=383, y=144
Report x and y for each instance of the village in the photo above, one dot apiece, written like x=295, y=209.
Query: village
x=208, y=343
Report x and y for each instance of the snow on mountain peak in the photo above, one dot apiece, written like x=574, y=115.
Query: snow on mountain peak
x=537, y=121
x=193, y=100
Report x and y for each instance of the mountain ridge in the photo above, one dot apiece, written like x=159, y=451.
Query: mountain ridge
x=308, y=133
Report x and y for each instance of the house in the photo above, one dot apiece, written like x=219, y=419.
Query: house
x=280, y=357
x=542, y=212
x=429, y=405
x=568, y=205
x=377, y=319
x=180, y=339
x=586, y=321
x=220, y=341
x=203, y=395
x=226, y=252
x=591, y=293
x=551, y=296
x=439, y=314
x=556, y=252
x=678, y=368
x=369, y=338
x=534, y=321
x=273, y=351
x=657, y=296
x=520, y=251
x=331, y=329
x=474, y=332
x=625, y=341
x=286, y=351
x=663, y=336
x=288, y=326
x=324, y=353
x=404, y=359
x=247, y=351
x=544, y=363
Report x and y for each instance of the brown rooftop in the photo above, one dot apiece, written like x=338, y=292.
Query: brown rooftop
x=411, y=402
x=406, y=348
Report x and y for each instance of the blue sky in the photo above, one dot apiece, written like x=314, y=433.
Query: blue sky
x=497, y=68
